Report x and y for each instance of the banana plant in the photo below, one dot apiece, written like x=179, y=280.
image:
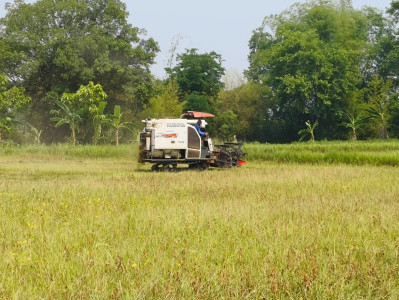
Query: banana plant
x=354, y=122
x=308, y=130
x=69, y=116
x=99, y=118
x=378, y=112
x=36, y=133
x=115, y=121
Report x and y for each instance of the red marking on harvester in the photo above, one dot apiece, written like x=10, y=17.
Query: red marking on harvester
x=169, y=135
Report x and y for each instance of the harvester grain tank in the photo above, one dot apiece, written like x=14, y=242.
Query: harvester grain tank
x=167, y=143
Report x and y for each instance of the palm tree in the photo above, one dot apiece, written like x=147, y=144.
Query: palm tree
x=115, y=121
x=308, y=130
x=70, y=116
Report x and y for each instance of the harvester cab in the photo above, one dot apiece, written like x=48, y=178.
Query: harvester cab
x=167, y=143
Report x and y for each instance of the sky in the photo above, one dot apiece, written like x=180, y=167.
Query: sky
x=223, y=26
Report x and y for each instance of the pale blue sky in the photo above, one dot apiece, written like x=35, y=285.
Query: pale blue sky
x=223, y=26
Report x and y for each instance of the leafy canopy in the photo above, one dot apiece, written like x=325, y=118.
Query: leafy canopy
x=166, y=104
x=12, y=100
x=59, y=45
x=199, y=73
x=310, y=56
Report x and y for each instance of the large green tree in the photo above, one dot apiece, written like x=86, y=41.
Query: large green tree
x=387, y=48
x=389, y=52
x=311, y=57
x=250, y=103
x=198, y=77
x=54, y=46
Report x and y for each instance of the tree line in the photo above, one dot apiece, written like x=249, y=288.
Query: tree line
x=77, y=70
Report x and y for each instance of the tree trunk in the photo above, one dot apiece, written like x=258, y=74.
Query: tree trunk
x=384, y=131
x=354, y=137
x=117, y=137
x=73, y=137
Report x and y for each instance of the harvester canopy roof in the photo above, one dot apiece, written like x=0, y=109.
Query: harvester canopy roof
x=196, y=114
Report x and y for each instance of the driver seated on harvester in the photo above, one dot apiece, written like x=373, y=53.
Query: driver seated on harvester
x=198, y=128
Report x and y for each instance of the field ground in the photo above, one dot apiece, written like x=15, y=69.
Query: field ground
x=92, y=223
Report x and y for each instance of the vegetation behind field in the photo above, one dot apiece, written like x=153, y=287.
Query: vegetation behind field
x=322, y=70
x=99, y=225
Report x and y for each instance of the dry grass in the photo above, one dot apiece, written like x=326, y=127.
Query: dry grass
x=108, y=228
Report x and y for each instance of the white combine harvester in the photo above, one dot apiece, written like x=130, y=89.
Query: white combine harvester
x=168, y=142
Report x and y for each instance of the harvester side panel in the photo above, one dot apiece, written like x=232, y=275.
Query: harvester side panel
x=171, y=135
x=194, y=140
x=192, y=153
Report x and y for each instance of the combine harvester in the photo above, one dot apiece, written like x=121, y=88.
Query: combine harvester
x=166, y=143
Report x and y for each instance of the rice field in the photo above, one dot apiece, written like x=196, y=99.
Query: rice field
x=375, y=152
x=90, y=222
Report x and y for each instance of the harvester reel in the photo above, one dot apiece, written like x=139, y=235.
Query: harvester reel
x=224, y=160
x=230, y=155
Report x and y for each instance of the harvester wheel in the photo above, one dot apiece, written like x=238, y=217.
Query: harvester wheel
x=155, y=168
x=166, y=168
x=204, y=166
x=173, y=168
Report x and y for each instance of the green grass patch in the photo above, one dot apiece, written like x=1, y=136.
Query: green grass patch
x=355, y=153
